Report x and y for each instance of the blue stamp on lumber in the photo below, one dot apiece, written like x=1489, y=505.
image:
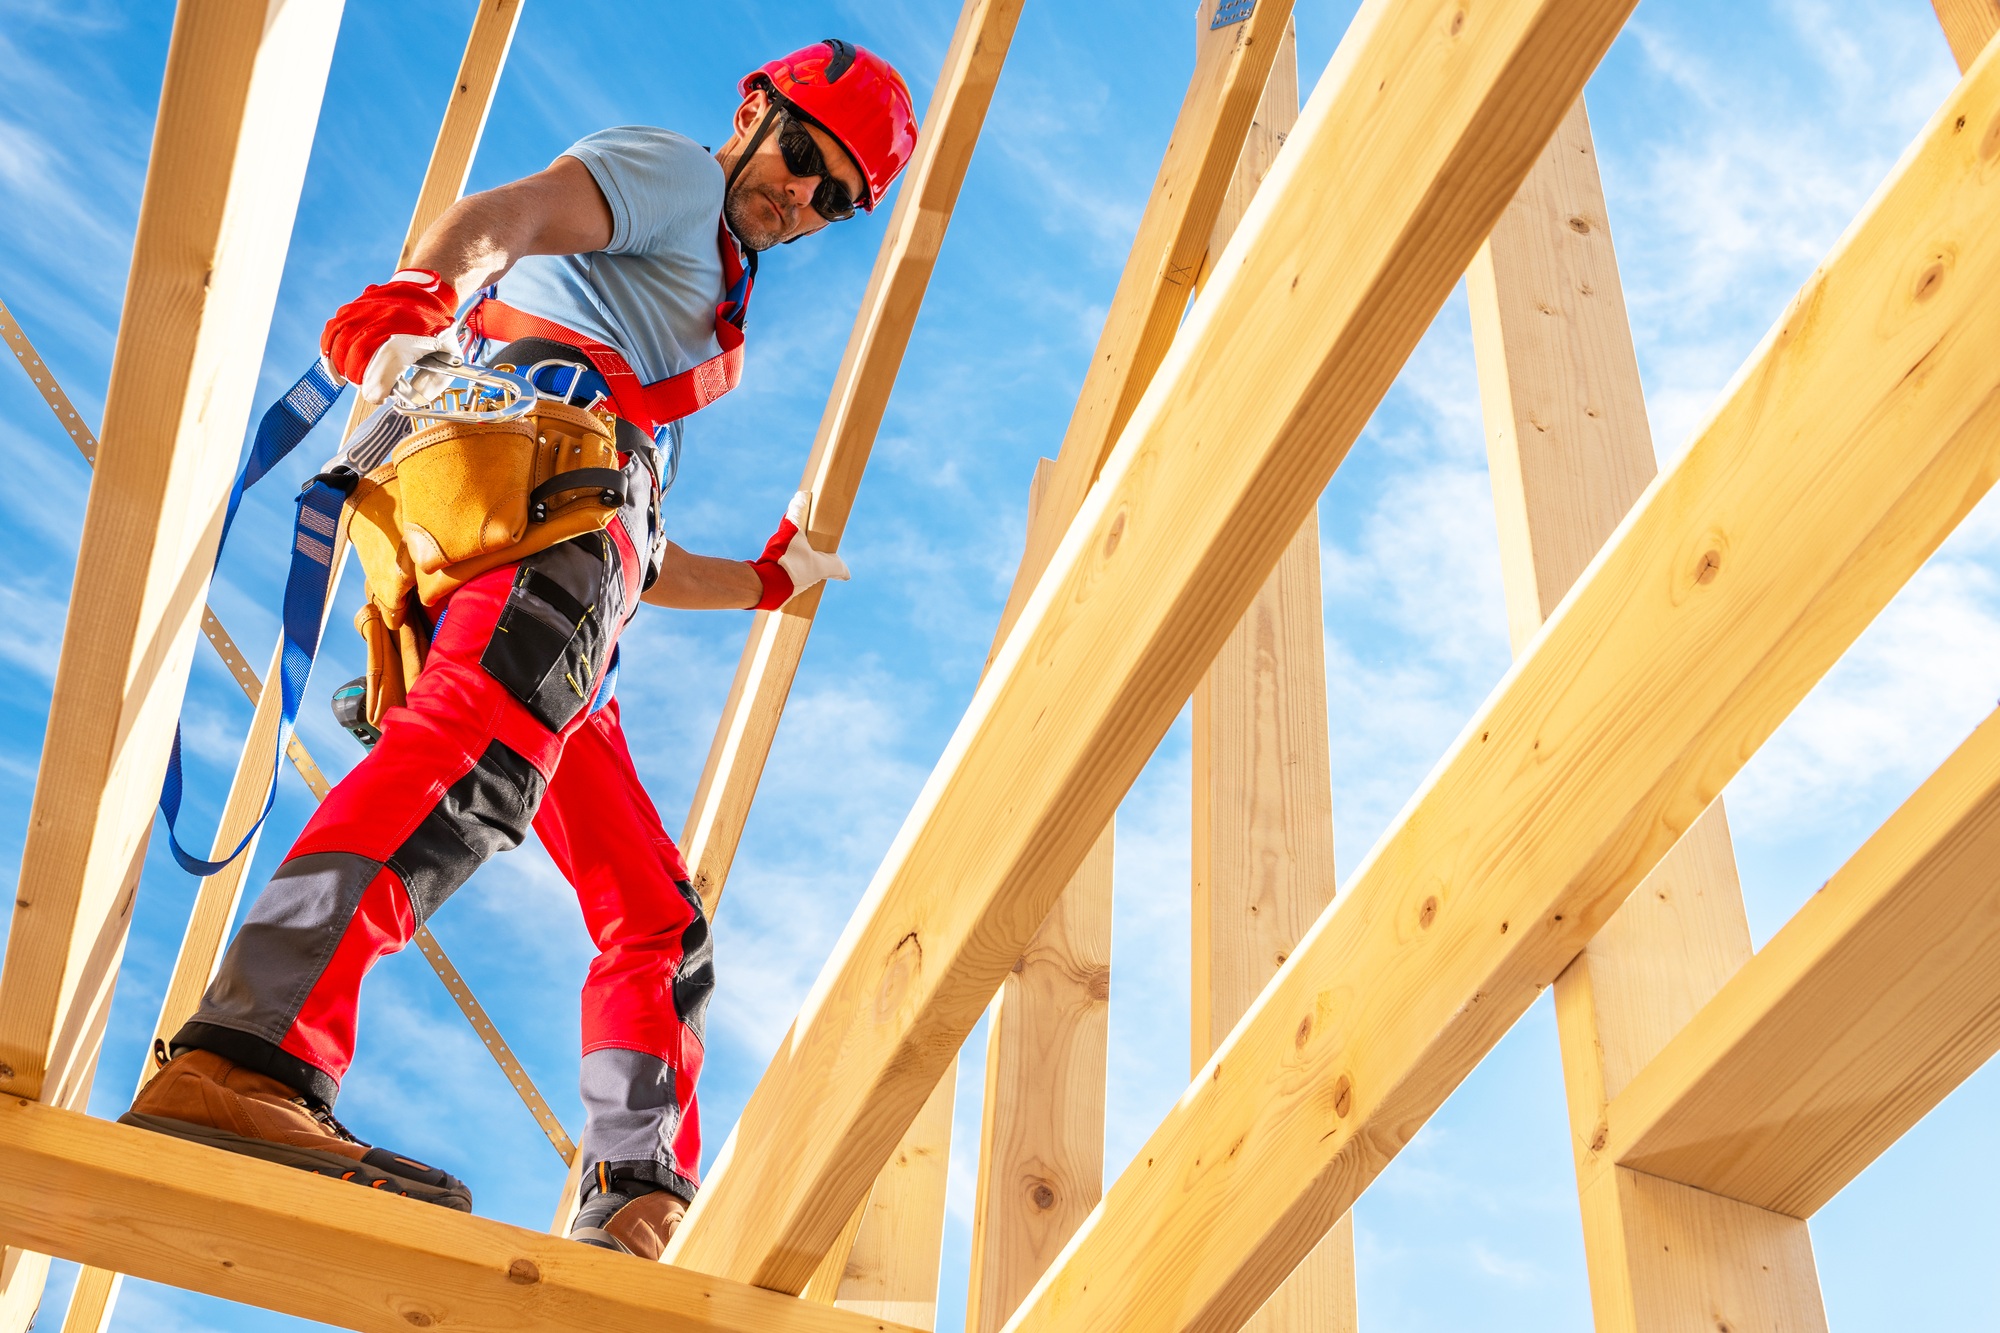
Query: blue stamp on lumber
x=1231, y=11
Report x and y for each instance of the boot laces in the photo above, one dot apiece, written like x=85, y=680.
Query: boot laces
x=325, y=1118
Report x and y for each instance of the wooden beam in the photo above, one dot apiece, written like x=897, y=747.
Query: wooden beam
x=882, y=327
x=1232, y=65
x=1968, y=26
x=1041, y=1159
x=1570, y=451
x=1041, y=1136
x=1858, y=1017
x=1747, y=568
x=891, y=1270
x=237, y=109
x=1262, y=860
x=287, y=1240
x=1362, y=229
x=218, y=896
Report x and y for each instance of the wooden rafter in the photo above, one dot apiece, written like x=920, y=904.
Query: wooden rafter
x=1311, y=311
x=1570, y=453
x=910, y=247
x=218, y=896
x=1041, y=1152
x=238, y=104
x=1262, y=846
x=1232, y=66
x=302, y=1244
x=1968, y=26
x=1858, y=1017
x=1744, y=572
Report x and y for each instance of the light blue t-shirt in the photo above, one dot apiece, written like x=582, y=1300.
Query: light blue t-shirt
x=652, y=292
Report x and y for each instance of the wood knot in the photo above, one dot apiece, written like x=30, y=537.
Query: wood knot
x=1305, y=1031
x=1043, y=1197
x=1428, y=912
x=1601, y=1137
x=1929, y=281
x=524, y=1272
x=1711, y=565
x=417, y=1319
x=6, y=1070
x=1098, y=985
x=1580, y=225
x=1112, y=537
x=1457, y=23
x=1343, y=1096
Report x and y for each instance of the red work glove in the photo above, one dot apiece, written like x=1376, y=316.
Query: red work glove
x=378, y=335
x=789, y=564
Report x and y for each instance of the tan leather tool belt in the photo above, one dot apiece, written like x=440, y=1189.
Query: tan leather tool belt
x=457, y=499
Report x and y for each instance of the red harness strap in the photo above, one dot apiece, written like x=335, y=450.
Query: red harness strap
x=647, y=406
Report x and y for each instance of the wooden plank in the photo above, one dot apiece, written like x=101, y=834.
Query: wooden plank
x=1570, y=450
x=1858, y=1017
x=1232, y=65
x=1362, y=229
x=287, y=1240
x=1968, y=26
x=910, y=246
x=1743, y=573
x=1262, y=860
x=218, y=896
x=892, y=1267
x=240, y=98
x=1041, y=1136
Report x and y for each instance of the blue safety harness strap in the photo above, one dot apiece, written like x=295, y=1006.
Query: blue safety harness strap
x=307, y=586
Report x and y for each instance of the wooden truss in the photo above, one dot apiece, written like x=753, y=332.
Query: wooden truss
x=1664, y=625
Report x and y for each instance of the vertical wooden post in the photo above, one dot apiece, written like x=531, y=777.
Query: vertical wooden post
x=1570, y=451
x=1263, y=797
x=238, y=105
x=886, y=1263
x=1041, y=1133
x=1968, y=25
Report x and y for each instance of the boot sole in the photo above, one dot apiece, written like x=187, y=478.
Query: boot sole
x=304, y=1159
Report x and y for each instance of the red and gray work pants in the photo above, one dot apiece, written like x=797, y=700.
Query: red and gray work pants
x=498, y=733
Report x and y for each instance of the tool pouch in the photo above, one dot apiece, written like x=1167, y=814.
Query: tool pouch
x=457, y=499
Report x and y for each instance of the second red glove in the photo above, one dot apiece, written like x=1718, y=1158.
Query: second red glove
x=415, y=301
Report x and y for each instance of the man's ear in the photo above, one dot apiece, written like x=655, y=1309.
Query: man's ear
x=751, y=111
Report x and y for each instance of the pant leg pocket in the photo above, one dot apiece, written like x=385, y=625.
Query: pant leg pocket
x=547, y=647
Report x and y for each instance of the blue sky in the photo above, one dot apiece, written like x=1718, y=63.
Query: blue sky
x=1736, y=140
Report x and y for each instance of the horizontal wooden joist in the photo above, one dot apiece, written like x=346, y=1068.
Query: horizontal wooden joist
x=1429, y=120
x=287, y=1240
x=1859, y=434
x=1872, y=1004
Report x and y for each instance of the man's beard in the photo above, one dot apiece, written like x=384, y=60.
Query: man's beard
x=744, y=211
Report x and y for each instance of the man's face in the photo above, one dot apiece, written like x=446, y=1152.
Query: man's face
x=768, y=204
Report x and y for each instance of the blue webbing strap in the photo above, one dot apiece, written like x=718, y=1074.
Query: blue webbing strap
x=307, y=586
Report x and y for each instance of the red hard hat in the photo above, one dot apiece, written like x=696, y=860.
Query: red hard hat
x=857, y=97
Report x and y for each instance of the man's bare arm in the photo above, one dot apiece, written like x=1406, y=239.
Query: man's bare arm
x=690, y=582
x=558, y=211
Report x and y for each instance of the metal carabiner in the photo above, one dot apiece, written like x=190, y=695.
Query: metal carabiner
x=493, y=395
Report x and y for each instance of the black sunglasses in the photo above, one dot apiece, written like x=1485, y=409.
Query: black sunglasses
x=831, y=199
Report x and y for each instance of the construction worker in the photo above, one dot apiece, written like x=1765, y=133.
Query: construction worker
x=627, y=256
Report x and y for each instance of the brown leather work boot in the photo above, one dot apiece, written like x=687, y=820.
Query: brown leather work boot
x=204, y=1098
x=620, y=1218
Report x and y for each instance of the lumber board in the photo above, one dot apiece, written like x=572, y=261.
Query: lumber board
x=1041, y=1133
x=1232, y=65
x=1968, y=26
x=860, y=395
x=238, y=105
x=1262, y=846
x=1860, y=432
x=287, y=1240
x=892, y=1267
x=1569, y=451
x=1862, y=1013
x=1358, y=235
x=218, y=896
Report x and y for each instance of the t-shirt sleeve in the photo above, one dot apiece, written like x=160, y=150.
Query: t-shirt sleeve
x=656, y=182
